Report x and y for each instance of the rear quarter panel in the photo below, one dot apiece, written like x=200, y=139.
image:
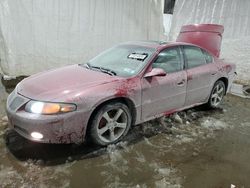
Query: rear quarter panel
x=226, y=70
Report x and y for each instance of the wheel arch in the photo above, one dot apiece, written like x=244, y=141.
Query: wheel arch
x=225, y=81
x=128, y=102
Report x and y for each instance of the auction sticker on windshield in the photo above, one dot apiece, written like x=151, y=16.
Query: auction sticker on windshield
x=138, y=56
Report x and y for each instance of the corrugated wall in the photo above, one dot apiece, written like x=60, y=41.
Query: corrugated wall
x=233, y=14
x=39, y=35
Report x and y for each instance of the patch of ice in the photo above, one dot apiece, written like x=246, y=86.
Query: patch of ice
x=245, y=124
x=151, y=144
x=184, y=139
x=165, y=176
x=164, y=171
x=163, y=183
x=1, y=133
x=34, y=176
x=141, y=186
x=4, y=119
x=140, y=157
x=232, y=186
x=116, y=160
x=7, y=175
x=214, y=124
x=117, y=183
x=177, y=118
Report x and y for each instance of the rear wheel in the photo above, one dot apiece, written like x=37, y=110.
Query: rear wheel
x=217, y=94
x=110, y=124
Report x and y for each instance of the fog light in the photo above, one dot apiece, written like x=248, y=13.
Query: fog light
x=36, y=135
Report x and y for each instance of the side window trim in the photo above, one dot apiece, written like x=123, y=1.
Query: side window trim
x=184, y=61
x=180, y=53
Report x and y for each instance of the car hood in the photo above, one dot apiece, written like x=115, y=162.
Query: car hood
x=60, y=83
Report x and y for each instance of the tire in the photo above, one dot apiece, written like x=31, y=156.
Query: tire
x=110, y=124
x=217, y=94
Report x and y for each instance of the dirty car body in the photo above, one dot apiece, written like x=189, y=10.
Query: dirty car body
x=148, y=79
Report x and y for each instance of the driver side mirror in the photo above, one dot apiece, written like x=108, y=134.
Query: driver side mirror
x=155, y=72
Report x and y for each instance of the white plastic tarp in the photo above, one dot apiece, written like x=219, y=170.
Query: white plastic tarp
x=233, y=14
x=36, y=35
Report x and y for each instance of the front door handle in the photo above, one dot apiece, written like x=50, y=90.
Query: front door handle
x=181, y=83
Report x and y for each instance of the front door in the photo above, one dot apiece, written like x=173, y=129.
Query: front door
x=161, y=94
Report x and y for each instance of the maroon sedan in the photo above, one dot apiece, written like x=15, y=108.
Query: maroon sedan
x=126, y=85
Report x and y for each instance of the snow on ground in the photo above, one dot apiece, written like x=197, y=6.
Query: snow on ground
x=177, y=135
x=120, y=165
x=30, y=174
x=196, y=125
x=213, y=124
x=139, y=161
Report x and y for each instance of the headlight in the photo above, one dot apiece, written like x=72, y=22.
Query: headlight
x=38, y=107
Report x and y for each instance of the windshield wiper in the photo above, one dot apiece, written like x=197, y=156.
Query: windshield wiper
x=87, y=65
x=104, y=70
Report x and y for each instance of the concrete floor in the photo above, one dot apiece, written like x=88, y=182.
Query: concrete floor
x=196, y=148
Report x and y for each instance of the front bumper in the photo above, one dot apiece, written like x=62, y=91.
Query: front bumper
x=62, y=128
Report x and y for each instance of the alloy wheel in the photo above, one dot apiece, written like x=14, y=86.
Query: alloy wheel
x=112, y=125
x=217, y=94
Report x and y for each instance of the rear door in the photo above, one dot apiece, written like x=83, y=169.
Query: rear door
x=199, y=75
x=165, y=93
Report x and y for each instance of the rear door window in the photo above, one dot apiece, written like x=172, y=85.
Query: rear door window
x=194, y=56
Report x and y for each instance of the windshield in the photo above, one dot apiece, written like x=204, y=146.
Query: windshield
x=123, y=60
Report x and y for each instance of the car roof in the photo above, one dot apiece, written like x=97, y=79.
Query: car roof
x=158, y=45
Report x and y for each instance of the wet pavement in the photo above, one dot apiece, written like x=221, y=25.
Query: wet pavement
x=196, y=148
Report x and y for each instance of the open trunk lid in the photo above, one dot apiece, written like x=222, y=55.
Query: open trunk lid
x=207, y=36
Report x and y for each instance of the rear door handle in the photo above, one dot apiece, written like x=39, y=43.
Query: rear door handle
x=213, y=73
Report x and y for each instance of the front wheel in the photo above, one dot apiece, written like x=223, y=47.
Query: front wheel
x=217, y=94
x=110, y=124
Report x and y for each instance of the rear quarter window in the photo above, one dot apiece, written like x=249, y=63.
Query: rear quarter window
x=194, y=56
x=209, y=58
